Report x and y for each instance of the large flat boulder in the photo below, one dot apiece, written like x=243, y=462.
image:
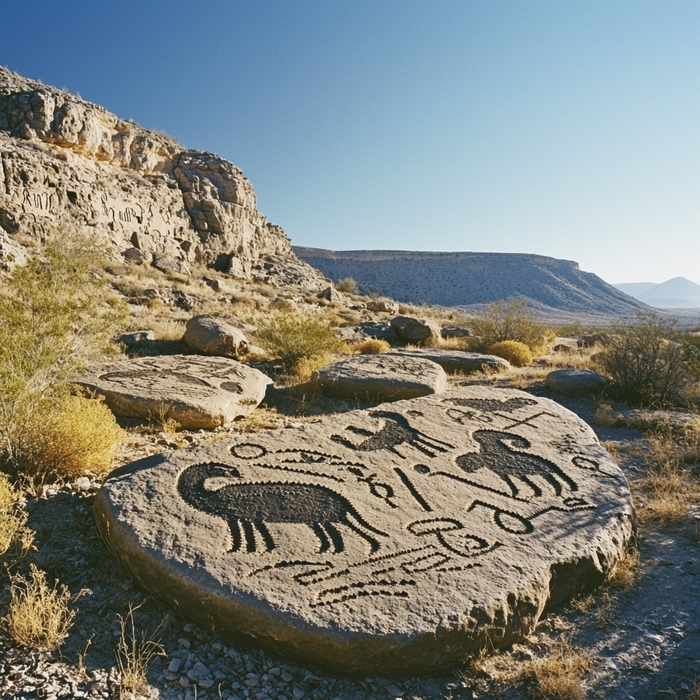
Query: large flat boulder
x=456, y=360
x=197, y=392
x=395, y=540
x=388, y=377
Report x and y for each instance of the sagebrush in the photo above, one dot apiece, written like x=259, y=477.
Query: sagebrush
x=510, y=321
x=645, y=363
x=300, y=341
x=67, y=438
x=517, y=353
x=55, y=312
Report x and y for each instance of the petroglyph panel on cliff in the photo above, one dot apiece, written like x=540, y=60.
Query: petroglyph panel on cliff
x=398, y=539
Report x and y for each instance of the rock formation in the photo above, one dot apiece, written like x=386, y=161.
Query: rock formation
x=471, y=280
x=64, y=161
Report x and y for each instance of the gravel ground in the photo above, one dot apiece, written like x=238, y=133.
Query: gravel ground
x=644, y=638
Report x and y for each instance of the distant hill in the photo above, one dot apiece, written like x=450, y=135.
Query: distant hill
x=467, y=280
x=676, y=293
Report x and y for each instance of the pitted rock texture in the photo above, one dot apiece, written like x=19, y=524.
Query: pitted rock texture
x=67, y=161
x=197, y=392
x=397, y=539
x=386, y=376
x=453, y=361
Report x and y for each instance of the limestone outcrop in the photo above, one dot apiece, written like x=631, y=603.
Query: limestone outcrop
x=64, y=161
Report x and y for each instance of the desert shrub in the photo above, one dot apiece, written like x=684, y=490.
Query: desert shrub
x=644, y=363
x=517, y=353
x=38, y=616
x=13, y=519
x=347, y=286
x=510, y=321
x=134, y=654
x=298, y=340
x=55, y=311
x=373, y=346
x=67, y=438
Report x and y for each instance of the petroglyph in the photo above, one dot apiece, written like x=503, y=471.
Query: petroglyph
x=378, y=525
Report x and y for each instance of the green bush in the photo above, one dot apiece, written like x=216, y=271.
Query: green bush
x=510, y=321
x=517, y=353
x=55, y=312
x=645, y=363
x=299, y=341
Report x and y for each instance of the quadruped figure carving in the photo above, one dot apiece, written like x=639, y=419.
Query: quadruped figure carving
x=248, y=507
x=395, y=431
x=498, y=454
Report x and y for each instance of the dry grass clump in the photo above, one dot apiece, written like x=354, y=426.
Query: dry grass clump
x=347, y=286
x=134, y=655
x=13, y=519
x=517, y=353
x=669, y=486
x=556, y=676
x=38, y=616
x=374, y=346
x=625, y=570
x=302, y=342
x=68, y=438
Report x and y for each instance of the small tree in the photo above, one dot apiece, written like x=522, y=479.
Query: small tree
x=644, y=362
x=55, y=311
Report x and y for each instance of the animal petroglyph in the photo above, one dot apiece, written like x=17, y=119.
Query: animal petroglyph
x=395, y=431
x=250, y=507
x=498, y=453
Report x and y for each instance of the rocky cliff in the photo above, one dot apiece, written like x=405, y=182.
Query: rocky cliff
x=67, y=161
x=549, y=285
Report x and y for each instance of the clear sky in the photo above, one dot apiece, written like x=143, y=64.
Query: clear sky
x=568, y=128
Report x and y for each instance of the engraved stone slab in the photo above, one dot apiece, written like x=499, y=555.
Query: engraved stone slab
x=394, y=540
x=387, y=376
x=197, y=392
x=456, y=360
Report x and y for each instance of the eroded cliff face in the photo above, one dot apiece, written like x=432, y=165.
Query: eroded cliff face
x=66, y=161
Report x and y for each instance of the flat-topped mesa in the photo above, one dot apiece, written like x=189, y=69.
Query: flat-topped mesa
x=67, y=161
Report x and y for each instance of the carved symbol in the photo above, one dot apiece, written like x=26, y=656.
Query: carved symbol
x=526, y=421
x=412, y=489
x=465, y=545
x=464, y=417
x=395, y=431
x=250, y=506
x=376, y=488
x=497, y=453
x=510, y=522
x=492, y=405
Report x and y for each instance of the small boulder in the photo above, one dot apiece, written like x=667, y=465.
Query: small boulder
x=565, y=345
x=455, y=332
x=389, y=377
x=214, y=284
x=135, y=338
x=415, y=330
x=283, y=304
x=214, y=336
x=331, y=294
x=388, y=306
x=575, y=382
x=135, y=255
x=380, y=331
x=165, y=264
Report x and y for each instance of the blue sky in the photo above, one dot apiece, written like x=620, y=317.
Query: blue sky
x=568, y=128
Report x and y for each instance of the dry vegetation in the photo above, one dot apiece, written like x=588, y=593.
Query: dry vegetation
x=39, y=616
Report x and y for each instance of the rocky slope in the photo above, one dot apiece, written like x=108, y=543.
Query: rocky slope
x=470, y=279
x=64, y=161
